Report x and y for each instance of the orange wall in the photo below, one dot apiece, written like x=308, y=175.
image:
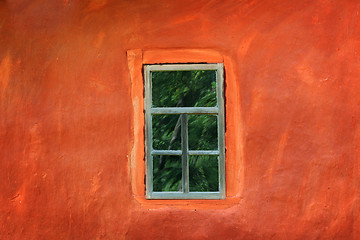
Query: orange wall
x=67, y=118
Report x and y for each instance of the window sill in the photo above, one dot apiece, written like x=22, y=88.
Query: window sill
x=187, y=203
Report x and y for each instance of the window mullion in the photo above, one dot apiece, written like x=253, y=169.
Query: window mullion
x=185, y=153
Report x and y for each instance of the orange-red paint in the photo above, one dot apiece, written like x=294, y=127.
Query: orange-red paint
x=71, y=120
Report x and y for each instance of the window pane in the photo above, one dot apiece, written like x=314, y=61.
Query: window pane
x=184, y=88
x=203, y=173
x=203, y=132
x=167, y=173
x=166, y=132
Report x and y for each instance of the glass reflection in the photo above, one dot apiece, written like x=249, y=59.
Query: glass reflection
x=184, y=88
x=166, y=132
x=203, y=173
x=166, y=173
x=203, y=132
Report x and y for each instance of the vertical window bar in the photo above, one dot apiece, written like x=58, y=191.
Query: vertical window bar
x=148, y=132
x=221, y=130
x=185, y=153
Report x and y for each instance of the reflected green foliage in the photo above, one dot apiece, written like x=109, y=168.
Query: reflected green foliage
x=166, y=132
x=204, y=172
x=203, y=177
x=168, y=177
x=203, y=132
x=184, y=88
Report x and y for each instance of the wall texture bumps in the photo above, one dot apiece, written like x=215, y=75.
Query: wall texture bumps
x=67, y=117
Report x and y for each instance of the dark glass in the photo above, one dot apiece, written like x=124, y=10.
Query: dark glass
x=167, y=173
x=203, y=173
x=203, y=133
x=184, y=88
x=166, y=132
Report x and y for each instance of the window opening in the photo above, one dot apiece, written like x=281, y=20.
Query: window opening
x=184, y=125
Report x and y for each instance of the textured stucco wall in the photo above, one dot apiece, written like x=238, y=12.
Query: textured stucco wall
x=67, y=117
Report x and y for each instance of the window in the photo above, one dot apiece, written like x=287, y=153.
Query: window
x=184, y=131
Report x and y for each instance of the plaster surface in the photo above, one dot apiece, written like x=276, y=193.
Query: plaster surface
x=68, y=125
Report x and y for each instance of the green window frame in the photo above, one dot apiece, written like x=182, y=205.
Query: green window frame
x=184, y=154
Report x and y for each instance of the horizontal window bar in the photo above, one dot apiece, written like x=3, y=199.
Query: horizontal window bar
x=179, y=152
x=183, y=67
x=181, y=110
x=166, y=152
x=190, y=195
x=203, y=152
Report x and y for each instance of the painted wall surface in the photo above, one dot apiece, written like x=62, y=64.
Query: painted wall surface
x=67, y=118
